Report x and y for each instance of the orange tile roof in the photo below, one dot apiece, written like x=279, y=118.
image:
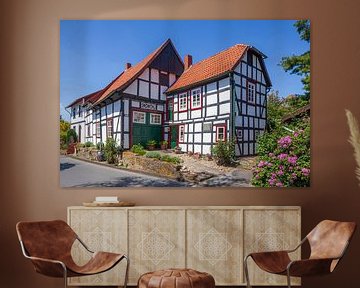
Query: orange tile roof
x=130, y=74
x=211, y=67
x=87, y=98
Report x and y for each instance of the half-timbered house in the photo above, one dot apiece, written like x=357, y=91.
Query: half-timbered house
x=192, y=106
x=131, y=108
x=219, y=98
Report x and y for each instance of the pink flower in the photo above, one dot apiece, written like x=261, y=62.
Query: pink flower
x=285, y=142
x=305, y=171
x=271, y=155
x=283, y=156
x=279, y=184
x=292, y=160
x=280, y=172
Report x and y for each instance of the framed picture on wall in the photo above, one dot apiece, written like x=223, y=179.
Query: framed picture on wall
x=185, y=103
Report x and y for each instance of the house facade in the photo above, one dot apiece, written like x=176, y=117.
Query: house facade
x=192, y=106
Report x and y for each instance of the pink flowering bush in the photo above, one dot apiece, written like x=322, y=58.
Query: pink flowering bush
x=284, y=160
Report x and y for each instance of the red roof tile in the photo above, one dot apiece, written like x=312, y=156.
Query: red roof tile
x=87, y=98
x=130, y=74
x=208, y=68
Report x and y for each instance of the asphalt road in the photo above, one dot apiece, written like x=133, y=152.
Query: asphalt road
x=76, y=173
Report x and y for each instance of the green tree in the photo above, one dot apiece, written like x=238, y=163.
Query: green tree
x=64, y=128
x=300, y=64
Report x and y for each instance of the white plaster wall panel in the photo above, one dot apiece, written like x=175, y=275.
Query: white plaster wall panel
x=238, y=121
x=126, y=124
x=103, y=132
x=198, y=127
x=237, y=79
x=224, y=83
x=211, y=111
x=251, y=149
x=259, y=75
x=263, y=100
x=126, y=106
x=182, y=146
x=176, y=116
x=244, y=58
x=224, y=108
x=172, y=78
x=196, y=114
x=211, y=87
x=207, y=137
x=190, y=148
x=258, y=111
x=249, y=70
x=219, y=122
x=258, y=63
x=206, y=149
x=224, y=96
x=243, y=82
x=246, y=150
x=251, y=136
x=237, y=68
x=176, y=106
x=244, y=94
x=155, y=75
x=135, y=104
x=160, y=107
x=162, y=92
x=197, y=149
x=245, y=134
x=145, y=74
x=116, y=124
x=246, y=122
x=190, y=138
x=254, y=73
x=103, y=113
x=144, y=89
x=154, y=91
x=244, y=68
x=191, y=127
x=262, y=123
x=182, y=115
x=126, y=141
x=238, y=92
x=109, y=109
x=197, y=138
x=211, y=99
x=256, y=121
x=258, y=87
x=132, y=88
x=251, y=110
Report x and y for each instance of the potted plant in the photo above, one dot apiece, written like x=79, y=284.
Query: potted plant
x=151, y=145
x=164, y=145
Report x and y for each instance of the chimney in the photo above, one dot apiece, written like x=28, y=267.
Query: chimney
x=187, y=61
x=127, y=66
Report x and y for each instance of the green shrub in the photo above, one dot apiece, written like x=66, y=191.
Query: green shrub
x=284, y=160
x=89, y=144
x=80, y=145
x=168, y=158
x=153, y=154
x=111, y=151
x=224, y=153
x=100, y=146
x=138, y=149
x=71, y=136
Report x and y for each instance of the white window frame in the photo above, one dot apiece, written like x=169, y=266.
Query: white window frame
x=108, y=131
x=217, y=133
x=181, y=133
x=151, y=119
x=196, y=93
x=183, y=106
x=251, y=92
x=139, y=122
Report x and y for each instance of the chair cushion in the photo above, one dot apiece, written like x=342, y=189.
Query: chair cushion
x=176, y=278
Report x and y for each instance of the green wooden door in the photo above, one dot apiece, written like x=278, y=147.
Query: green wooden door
x=143, y=132
x=174, y=136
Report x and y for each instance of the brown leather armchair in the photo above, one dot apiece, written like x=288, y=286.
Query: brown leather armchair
x=328, y=242
x=48, y=245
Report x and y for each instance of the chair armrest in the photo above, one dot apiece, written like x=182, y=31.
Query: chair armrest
x=309, y=267
x=48, y=267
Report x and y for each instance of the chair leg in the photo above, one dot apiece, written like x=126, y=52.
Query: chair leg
x=288, y=279
x=246, y=270
x=127, y=271
x=65, y=276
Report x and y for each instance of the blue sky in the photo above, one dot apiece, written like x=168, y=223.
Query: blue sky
x=94, y=52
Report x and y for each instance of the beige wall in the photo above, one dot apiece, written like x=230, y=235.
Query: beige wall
x=29, y=184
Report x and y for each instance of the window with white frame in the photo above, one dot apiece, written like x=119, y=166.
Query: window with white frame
x=220, y=133
x=182, y=102
x=196, y=99
x=98, y=130
x=155, y=119
x=139, y=117
x=109, y=128
x=251, y=92
x=181, y=133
